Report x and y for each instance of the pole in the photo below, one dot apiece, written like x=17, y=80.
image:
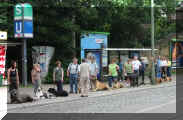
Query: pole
x=24, y=55
x=24, y=62
x=152, y=42
x=101, y=62
x=73, y=33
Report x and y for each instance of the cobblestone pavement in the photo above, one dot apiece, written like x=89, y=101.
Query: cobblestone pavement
x=126, y=100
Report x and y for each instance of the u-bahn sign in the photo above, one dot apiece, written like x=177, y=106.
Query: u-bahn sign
x=23, y=17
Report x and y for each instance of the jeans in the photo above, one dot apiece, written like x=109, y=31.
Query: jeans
x=73, y=82
x=59, y=85
x=168, y=71
x=111, y=79
x=37, y=84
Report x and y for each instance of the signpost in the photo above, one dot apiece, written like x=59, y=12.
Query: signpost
x=23, y=28
x=152, y=42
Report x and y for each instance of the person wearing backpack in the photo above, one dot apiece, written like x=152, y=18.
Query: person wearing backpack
x=72, y=73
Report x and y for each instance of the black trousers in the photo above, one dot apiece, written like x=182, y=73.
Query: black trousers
x=12, y=86
x=59, y=85
x=142, y=74
x=136, y=72
x=132, y=77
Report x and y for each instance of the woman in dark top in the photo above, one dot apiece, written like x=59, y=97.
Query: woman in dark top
x=13, y=78
x=58, y=76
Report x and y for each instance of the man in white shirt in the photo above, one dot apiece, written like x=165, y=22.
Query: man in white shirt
x=136, y=65
x=84, y=77
x=72, y=72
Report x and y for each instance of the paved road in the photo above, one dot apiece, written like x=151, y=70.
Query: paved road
x=162, y=99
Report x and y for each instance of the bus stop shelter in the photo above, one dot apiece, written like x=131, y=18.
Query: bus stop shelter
x=129, y=52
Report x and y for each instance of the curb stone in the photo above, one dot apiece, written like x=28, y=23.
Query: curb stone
x=93, y=94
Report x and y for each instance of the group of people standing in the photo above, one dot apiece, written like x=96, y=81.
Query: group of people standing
x=163, y=69
x=129, y=71
x=84, y=73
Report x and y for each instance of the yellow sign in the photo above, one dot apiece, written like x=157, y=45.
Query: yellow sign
x=3, y=35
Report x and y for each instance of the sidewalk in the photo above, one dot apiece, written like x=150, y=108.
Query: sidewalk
x=73, y=97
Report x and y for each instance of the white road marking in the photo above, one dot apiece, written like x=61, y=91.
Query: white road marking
x=155, y=107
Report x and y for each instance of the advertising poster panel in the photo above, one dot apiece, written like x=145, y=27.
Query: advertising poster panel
x=42, y=55
x=177, y=54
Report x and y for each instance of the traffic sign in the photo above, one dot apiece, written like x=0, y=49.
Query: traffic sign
x=28, y=29
x=26, y=32
x=23, y=11
x=27, y=11
x=18, y=29
x=18, y=12
x=23, y=25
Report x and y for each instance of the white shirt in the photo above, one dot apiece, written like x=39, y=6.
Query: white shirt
x=74, y=68
x=163, y=63
x=93, y=68
x=136, y=64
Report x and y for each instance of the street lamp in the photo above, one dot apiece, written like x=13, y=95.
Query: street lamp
x=152, y=42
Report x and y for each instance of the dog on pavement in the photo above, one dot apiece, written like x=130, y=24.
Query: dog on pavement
x=58, y=93
x=39, y=93
x=20, y=98
x=101, y=86
x=117, y=85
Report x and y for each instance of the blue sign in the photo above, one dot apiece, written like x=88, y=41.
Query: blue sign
x=23, y=21
x=18, y=29
x=27, y=32
x=28, y=29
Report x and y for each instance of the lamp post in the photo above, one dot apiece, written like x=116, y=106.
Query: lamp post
x=152, y=42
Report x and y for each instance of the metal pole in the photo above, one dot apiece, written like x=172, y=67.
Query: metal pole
x=73, y=33
x=24, y=55
x=152, y=42
x=24, y=62
x=101, y=62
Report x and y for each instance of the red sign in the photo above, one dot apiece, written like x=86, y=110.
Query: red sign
x=2, y=60
x=99, y=40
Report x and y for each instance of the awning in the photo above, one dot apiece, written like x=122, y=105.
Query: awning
x=10, y=43
x=129, y=49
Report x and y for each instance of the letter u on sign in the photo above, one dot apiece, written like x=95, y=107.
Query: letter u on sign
x=18, y=27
